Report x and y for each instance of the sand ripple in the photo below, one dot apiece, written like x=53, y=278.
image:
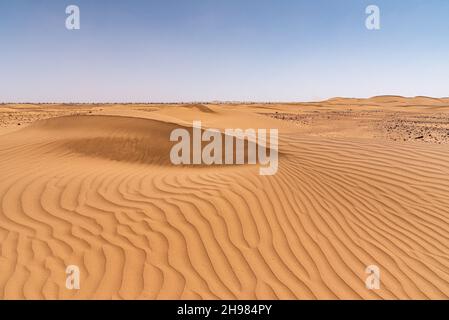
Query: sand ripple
x=101, y=199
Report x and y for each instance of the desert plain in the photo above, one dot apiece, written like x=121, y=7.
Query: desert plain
x=360, y=182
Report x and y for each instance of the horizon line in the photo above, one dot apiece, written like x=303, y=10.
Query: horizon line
x=224, y=101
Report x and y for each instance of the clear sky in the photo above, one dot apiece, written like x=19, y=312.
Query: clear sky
x=202, y=50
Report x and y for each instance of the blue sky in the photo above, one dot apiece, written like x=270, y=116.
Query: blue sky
x=202, y=50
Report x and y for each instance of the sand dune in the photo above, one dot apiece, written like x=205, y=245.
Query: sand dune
x=99, y=192
x=107, y=137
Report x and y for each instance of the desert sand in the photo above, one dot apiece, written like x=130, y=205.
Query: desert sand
x=360, y=182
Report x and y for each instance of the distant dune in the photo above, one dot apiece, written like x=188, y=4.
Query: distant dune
x=390, y=100
x=97, y=190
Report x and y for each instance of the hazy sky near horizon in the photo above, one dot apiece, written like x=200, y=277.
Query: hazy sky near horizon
x=202, y=50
